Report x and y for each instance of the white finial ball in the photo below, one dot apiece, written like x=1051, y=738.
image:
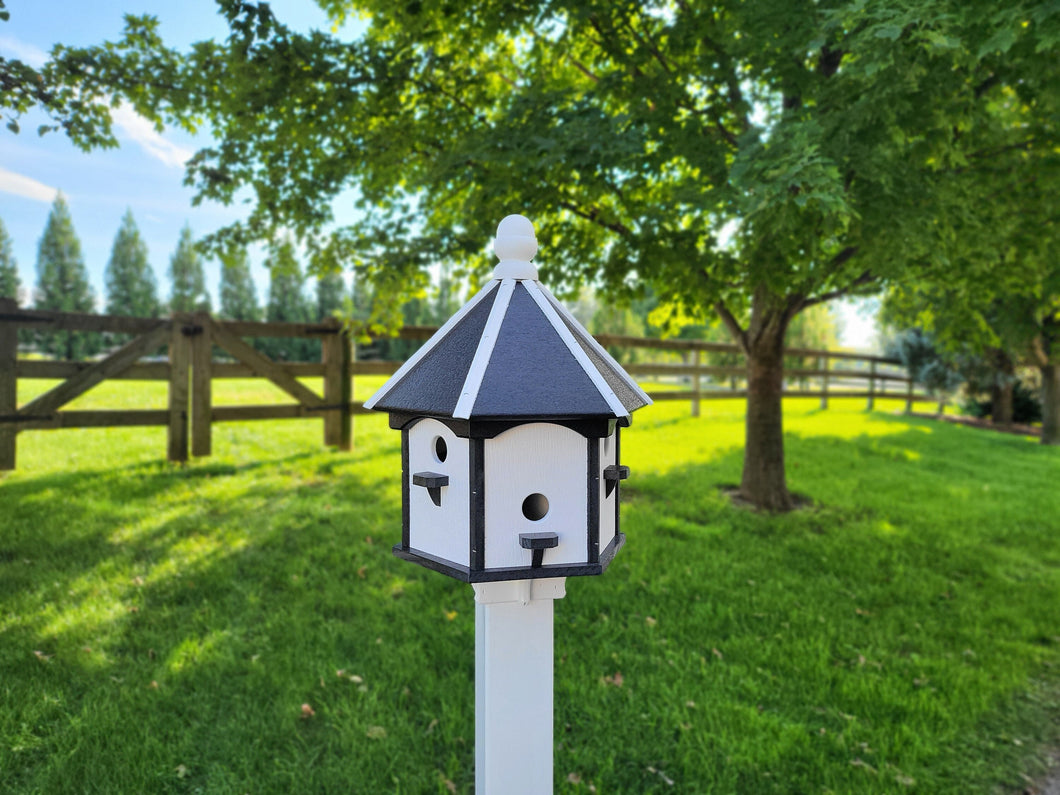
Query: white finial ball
x=515, y=245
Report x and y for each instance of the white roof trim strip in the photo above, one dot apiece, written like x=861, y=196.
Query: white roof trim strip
x=537, y=293
x=596, y=346
x=477, y=371
x=439, y=335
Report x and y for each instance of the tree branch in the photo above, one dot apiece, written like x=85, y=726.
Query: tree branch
x=593, y=215
x=646, y=41
x=866, y=278
x=986, y=85
x=1038, y=352
x=733, y=325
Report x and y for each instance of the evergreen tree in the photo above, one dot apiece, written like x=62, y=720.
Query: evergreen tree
x=185, y=271
x=330, y=288
x=239, y=301
x=130, y=282
x=9, y=284
x=287, y=304
x=62, y=284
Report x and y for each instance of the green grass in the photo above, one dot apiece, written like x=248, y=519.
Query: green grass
x=162, y=626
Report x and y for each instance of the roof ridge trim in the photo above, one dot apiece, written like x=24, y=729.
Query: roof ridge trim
x=430, y=345
x=596, y=346
x=477, y=371
x=537, y=293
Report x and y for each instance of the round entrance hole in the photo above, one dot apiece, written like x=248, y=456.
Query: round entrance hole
x=441, y=450
x=535, y=507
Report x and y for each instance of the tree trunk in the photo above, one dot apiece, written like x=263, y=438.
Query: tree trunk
x=1001, y=403
x=764, y=483
x=1050, y=403
x=1001, y=394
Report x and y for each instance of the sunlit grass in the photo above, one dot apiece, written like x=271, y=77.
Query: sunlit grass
x=161, y=627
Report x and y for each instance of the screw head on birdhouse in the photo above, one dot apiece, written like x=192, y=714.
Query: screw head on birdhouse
x=510, y=418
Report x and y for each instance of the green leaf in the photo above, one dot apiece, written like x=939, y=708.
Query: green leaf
x=1001, y=41
x=889, y=32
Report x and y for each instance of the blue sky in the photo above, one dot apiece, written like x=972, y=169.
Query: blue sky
x=146, y=173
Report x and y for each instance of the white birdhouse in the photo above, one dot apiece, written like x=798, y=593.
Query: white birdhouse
x=509, y=419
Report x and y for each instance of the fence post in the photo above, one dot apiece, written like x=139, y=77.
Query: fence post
x=872, y=385
x=338, y=389
x=909, y=396
x=179, y=362
x=696, y=385
x=8, y=383
x=201, y=386
x=822, y=365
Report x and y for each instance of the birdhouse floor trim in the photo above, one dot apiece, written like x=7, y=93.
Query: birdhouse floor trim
x=464, y=574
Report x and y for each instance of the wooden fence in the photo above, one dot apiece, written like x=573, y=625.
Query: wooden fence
x=836, y=374
x=189, y=370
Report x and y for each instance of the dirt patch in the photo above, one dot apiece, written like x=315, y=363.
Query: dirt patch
x=1050, y=784
x=800, y=502
x=985, y=424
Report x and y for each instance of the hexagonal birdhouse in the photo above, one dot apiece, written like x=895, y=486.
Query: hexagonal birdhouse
x=510, y=418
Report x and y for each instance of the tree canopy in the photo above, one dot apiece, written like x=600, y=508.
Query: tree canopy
x=330, y=295
x=287, y=303
x=62, y=283
x=239, y=300
x=186, y=274
x=130, y=281
x=752, y=158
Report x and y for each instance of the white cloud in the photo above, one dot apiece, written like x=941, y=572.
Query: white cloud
x=24, y=186
x=139, y=130
x=27, y=53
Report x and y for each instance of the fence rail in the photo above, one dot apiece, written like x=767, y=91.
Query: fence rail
x=189, y=371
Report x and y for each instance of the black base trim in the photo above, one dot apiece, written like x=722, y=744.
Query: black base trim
x=464, y=574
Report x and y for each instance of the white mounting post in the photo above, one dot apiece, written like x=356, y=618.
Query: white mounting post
x=513, y=686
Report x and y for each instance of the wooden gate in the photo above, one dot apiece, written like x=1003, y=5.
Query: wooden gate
x=189, y=371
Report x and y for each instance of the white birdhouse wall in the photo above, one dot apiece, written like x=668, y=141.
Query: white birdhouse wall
x=608, y=496
x=439, y=529
x=536, y=482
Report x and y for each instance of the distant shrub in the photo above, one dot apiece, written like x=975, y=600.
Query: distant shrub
x=1026, y=407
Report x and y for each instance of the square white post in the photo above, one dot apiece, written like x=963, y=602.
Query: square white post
x=513, y=686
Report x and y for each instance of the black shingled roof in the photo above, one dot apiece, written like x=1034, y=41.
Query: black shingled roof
x=512, y=352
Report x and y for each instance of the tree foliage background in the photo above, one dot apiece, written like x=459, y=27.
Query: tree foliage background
x=751, y=159
x=62, y=285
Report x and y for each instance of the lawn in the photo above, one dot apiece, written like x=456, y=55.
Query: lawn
x=239, y=624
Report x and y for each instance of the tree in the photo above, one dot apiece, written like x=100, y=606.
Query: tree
x=287, y=304
x=130, y=281
x=62, y=284
x=988, y=333
x=239, y=300
x=186, y=275
x=752, y=158
x=1001, y=298
x=85, y=119
x=937, y=370
x=330, y=289
x=9, y=282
